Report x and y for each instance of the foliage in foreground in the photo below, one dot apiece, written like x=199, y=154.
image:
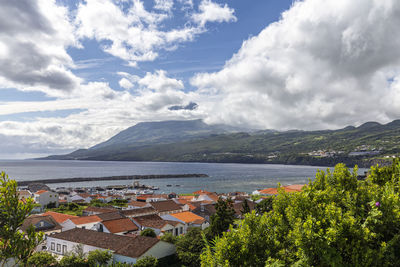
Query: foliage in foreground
x=14, y=243
x=335, y=221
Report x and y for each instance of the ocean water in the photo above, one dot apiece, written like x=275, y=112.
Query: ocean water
x=223, y=177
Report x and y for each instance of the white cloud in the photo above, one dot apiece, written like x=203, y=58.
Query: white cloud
x=213, y=12
x=158, y=81
x=136, y=34
x=125, y=83
x=324, y=64
x=33, y=41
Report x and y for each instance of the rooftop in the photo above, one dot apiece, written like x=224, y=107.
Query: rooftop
x=120, y=225
x=168, y=205
x=130, y=246
x=59, y=217
x=188, y=217
x=86, y=219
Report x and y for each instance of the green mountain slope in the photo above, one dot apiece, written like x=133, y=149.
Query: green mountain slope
x=367, y=144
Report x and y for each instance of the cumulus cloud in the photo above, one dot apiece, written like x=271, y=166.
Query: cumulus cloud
x=213, y=12
x=136, y=34
x=325, y=64
x=33, y=40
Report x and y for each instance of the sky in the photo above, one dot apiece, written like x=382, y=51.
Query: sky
x=73, y=73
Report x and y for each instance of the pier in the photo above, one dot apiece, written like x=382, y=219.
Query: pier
x=112, y=178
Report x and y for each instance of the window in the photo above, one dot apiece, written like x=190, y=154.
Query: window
x=181, y=230
x=53, y=246
x=58, y=247
x=176, y=231
x=83, y=227
x=64, y=249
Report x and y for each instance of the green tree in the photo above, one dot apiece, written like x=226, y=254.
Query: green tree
x=190, y=246
x=245, y=207
x=41, y=259
x=223, y=218
x=148, y=261
x=335, y=220
x=99, y=257
x=264, y=205
x=73, y=260
x=148, y=232
x=15, y=244
x=168, y=237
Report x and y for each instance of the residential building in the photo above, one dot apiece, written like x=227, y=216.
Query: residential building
x=188, y=218
x=44, y=197
x=125, y=249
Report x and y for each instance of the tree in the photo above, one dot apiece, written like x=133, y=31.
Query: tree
x=245, y=207
x=223, y=217
x=190, y=246
x=148, y=232
x=99, y=257
x=335, y=220
x=15, y=244
x=73, y=260
x=41, y=259
x=148, y=261
x=265, y=205
x=168, y=237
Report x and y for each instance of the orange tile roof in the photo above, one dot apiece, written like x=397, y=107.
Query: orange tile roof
x=59, y=217
x=187, y=197
x=85, y=219
x=288, y=189
x=41, y=192
x=120, y=225
x=201, y=192
x=186, y=202
x=188, y=217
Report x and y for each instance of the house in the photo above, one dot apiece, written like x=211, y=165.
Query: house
x=59, y=217
x=238, y=207
x=137, y=204
x=44, y=198
x=166, y=207
x=125, y=249
x=42, y=223
x=159, y=225
x=188, y=218
x=24, y=194
x=91, y=210
x=84, y=222
x=138, y=212
x=204, y=210
x=119, y=226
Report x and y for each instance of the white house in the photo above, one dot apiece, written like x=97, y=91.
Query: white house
x=125, y=249
x=44, y=197
x=188, y=218
x=84, y=222
x=119, y=226
x=159, y=225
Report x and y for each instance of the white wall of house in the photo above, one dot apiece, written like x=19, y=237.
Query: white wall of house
x=61, y=247
x=124, y=259
x=46, y=198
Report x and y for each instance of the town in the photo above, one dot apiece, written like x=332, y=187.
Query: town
x=117, y=219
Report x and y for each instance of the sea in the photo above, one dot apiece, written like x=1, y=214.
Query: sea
x=223, y=177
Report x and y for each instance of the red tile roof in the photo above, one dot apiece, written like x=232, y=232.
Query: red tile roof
x=288, y=189
x=130, y=246
x=85, y=219
x=59, y=217
x=188, y=217
x=41, y=192
x=120, y=225
x=167, y=205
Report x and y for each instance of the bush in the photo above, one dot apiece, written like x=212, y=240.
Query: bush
x=190, y=246
x=41, y=259
x=99, y=257
x=168, y=237
x=147, y=261
x=148, y=232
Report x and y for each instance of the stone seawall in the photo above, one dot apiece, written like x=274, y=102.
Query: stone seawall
x=112, y=178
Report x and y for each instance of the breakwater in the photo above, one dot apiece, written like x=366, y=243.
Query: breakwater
x=112, y=178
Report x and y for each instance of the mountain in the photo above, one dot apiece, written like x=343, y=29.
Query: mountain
x=152, y=133
x=195, y=141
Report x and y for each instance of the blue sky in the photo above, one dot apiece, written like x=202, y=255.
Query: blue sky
x=74, y=73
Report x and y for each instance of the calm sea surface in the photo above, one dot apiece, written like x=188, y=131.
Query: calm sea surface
x=223, y=177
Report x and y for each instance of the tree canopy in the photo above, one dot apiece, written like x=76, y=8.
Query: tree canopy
x=336, y=220
x=15, y=244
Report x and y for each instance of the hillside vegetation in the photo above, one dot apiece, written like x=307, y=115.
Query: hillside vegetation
x=365, y=145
